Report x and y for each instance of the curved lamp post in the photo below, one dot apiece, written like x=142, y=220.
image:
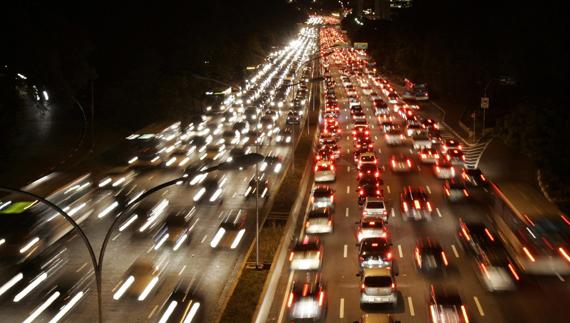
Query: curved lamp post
x=239, y=162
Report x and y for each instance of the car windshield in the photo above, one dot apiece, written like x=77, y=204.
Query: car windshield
x=367, y=158
x=309, y=246
x=375, y=205
x=378, y=281
x=319, y=213
x=322, y=192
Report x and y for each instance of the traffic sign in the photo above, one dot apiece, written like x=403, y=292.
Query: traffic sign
x=360, y=45
x=484, y=102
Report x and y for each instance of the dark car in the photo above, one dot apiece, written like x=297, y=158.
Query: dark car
x=415, y=203
x=430, y=256
x=445, y=305
x=368, y=169
x=375, y=253
x=475, y=177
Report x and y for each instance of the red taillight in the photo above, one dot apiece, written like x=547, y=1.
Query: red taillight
x=332, y=198
x=377, y=174
x=463, y=157
x=316, y=168
x=513, y=271
x=409, y=163
x=465, y=192
x=321, y=298
x=360, y=174
x=393, y=285
x=405, y=205
x=393, y=163
x=362, y=286
x=361, y=192
x=429, y=206
x=488, y=233
x=389, y=256
x=447, y=192
x=332, y=168
x=290, y=300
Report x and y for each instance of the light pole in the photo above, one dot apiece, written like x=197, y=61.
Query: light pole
x=240, y=162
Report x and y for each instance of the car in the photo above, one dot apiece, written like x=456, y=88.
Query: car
x=415, y=204
x=445, y=305
x=375, y=253
x=455, y=190
x=213, y=151
x=451, y=144
x=401, y=163
x=357, y=152
x=251, y=190
x=306, y=254
x=141, y=278
x=371, y=227
x=376, y=318
x=435, y=136
x=293, y=118
x=429, y=155
x=430, y=257
x=429, y=123
x=145, y=218
x=367, y=158
x=333, y=148
x=421, y=140
x=368, y=169
x=443, y=169
x=394, y=137
x=362, y=142
x=455, y=156
x=211, y=189
x=375, y=207
x=386, y=126
x=272, y=162
x=494, y=266
x=360, y=115
x=230, y=230
x=325, y=153
x=325, y=171
x=393, y=98
x=175, y=230
x=360, y=129
x=369, y=186
x=307, y=299
x=377, y=286
x=413, y=129
x=322, y=196
x=116, y=178
x=285, y=136
x=327, y=138
x=319, y=221
x=474, y=177
x=180, y=306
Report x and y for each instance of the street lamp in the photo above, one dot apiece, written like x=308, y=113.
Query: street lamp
x=238, y=163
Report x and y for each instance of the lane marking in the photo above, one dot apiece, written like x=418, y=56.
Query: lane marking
x=345, y=252
x=375, y=137
x=150, y=249
x=379, y=150
x=341, y=311
x=455, y=251
x=412, y=312
x=438, y=212
x=479, y=307
x=400, y=251
x=348, y=151
x=204, y=239
x=428, y=189
x=348, y=189
x=348, y=169
x=388, y=189
x=560, y=277
x=152, y=312
x=80, y=268
x=182, y=270
x=411, y=151
x=346, y=212
x=393, y=213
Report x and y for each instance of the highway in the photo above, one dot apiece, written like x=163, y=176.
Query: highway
x=204, y=272
x=533, y=299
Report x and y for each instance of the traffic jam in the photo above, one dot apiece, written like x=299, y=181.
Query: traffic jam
x=367, y=135
x=165, y=248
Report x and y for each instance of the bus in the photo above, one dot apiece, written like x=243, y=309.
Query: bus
x=535, y=232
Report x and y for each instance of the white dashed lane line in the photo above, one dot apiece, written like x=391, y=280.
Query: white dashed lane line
x=346, y=212
x=388, y=189
x=411, y=304
x=438, y=212
x=393, y=213
x=400, y=251
x=455, y=251
x=428, y=189
x=479, y=307
x=345, y=251
x=204, y=239
x=348, y=189
x=341, y=310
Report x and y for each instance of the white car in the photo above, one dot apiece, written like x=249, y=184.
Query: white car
x=325, y=171
x=375, y=207
x=319, y=221
x=394, y=137
x=443, y=169
x=371, y=227
x=307, y=254
x=367, y=158
x=377, y=286
x=421, y=140
x=429, y=155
